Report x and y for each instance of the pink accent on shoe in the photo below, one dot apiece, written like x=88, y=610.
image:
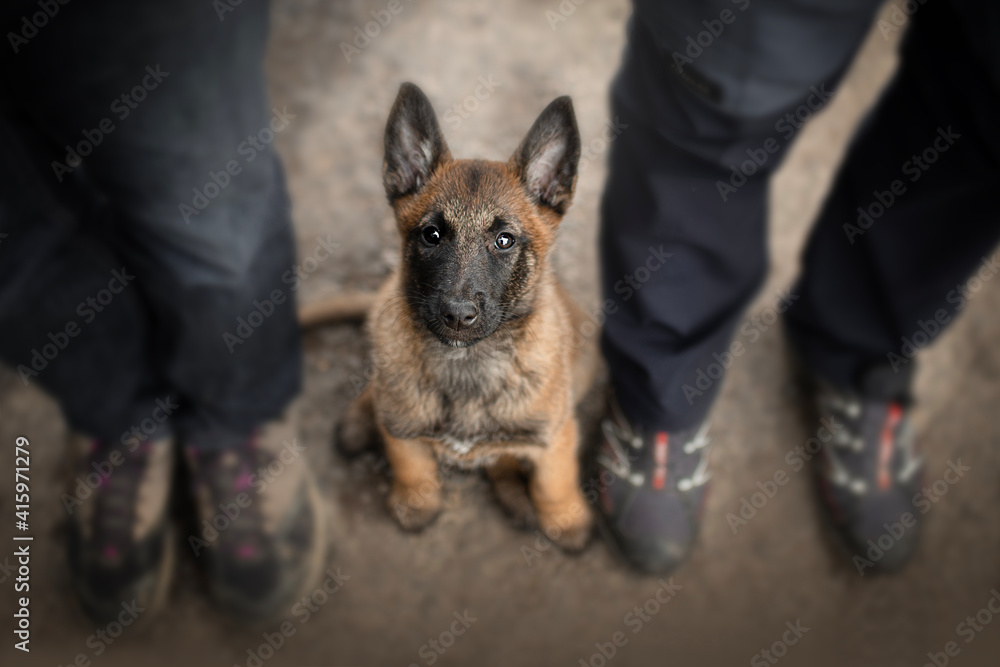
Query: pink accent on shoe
x=110, y=551
x=886, y=442
x=660, y=457
x=246, y=551
x=243, y=482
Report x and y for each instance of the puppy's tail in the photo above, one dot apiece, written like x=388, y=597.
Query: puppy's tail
x=343, y=307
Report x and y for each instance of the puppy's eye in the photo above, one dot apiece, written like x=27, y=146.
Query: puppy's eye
x=505, y=241
x=431, y=235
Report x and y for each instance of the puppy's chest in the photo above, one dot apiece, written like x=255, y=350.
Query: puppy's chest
x=476, y=442
x=479, y=410
x=498, y=408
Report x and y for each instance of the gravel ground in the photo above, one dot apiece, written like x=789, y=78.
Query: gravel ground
x=540, y=607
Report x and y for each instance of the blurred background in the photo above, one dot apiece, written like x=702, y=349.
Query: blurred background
x=530, y=605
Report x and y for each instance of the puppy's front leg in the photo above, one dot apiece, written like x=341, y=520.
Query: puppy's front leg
x=356, y=431
x=563, y=513
x=415, y=500
x=508, y=476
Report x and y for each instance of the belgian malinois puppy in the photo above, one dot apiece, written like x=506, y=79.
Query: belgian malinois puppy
x=477, y=354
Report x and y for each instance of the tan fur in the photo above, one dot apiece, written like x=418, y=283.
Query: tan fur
x=467, y=405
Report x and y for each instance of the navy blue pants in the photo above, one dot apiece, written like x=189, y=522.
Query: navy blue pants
x=144, y=220
x=713, y=93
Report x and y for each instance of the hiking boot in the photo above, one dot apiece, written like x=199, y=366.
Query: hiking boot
x=120, y=544
x=261, y=533
x=868, y=472
x=651, y=490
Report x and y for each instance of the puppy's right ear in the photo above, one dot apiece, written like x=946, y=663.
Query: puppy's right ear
x=414, y=146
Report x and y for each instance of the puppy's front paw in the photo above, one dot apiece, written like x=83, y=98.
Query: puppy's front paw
x=411, y=509
x=570, y=528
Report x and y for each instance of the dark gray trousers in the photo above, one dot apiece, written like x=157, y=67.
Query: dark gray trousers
x=713, y=94
x=144, y=222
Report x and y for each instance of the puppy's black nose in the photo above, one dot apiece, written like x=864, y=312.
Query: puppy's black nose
x=458, y=315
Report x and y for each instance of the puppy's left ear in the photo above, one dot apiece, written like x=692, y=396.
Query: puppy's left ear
x=414, y=145
x=547, y=159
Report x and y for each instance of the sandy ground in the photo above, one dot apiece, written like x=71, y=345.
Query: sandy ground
x=737, y=592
